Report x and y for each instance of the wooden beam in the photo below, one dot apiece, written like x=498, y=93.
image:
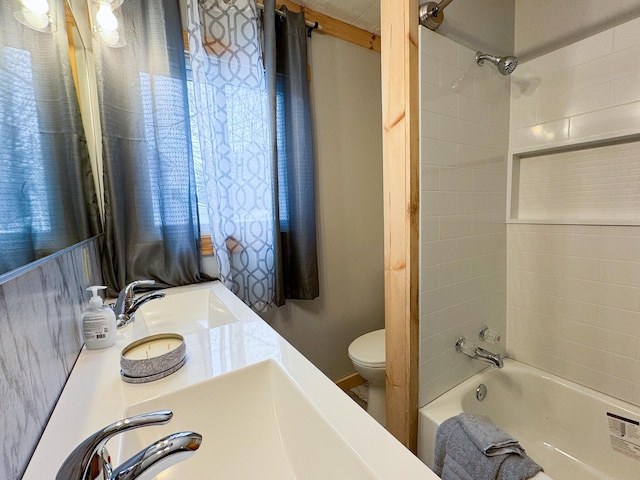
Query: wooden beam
x=400, y=106
x=335, y=28
x=349, y=382
x=206, y=245
x=68, y=16
x=70, y=23
x=330, y=26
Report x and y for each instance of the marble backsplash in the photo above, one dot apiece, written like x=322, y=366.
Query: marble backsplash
x=40, y=340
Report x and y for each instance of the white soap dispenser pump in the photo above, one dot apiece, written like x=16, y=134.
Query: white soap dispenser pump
x=98, y=322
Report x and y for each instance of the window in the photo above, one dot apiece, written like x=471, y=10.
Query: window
x=240, y=121
x=21, y=157
x=203, y=214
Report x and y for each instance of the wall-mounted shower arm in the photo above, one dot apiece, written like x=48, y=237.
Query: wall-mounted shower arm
x=441, y=6
x=431, y=14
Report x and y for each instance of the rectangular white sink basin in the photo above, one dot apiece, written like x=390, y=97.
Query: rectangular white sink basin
x=184, y=310
x=256, y=423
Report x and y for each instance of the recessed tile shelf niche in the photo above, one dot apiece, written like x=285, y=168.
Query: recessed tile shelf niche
x=595, y=183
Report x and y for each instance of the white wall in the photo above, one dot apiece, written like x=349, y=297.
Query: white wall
x=546, y=25
x=347, y=116
x=574, y=290
x=464, y=136
x=486, y=25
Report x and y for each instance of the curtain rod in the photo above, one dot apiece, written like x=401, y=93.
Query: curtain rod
x=311, y=25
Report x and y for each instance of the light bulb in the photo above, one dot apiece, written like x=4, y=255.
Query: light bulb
x=36, y=6
x=106, y=19
x=110, y=38
x=36, y=14
x=39, y=21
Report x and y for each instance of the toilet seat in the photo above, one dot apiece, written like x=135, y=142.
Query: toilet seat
x=369, y=349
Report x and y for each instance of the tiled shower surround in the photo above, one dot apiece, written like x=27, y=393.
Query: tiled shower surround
x=574, y=290
x=40, y=340
x=574, y=304
x=464, y=139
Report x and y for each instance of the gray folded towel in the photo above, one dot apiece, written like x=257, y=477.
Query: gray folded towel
x=464, y=461
x=452, y=470
x=458, y=457
x=518, y=468
x=488, y=437
x=442, y=437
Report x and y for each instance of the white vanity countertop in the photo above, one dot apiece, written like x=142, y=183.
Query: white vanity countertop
x=95, y=396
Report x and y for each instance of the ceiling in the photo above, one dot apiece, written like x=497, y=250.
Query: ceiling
x=546, y=25
x=364, y=14
x=529, y=28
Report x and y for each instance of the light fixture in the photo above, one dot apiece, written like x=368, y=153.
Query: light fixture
x=106, y=20
x=37, y=14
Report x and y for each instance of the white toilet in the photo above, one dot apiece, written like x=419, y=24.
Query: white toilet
x=368, y=356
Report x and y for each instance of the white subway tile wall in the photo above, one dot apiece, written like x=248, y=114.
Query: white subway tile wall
x=598, y=184
x=464, y=141
x=573, y=302
x=589, y=90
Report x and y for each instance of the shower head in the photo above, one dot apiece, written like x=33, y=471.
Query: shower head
x=506, y=65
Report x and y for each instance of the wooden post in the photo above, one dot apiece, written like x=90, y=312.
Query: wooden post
x=400, y=110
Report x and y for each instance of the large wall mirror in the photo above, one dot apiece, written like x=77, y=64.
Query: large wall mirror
x=50, y=189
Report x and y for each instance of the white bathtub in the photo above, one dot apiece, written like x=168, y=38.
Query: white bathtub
x=573, y=432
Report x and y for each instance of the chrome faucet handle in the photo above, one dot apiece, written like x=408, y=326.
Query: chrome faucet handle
x=126, y=299
x=466, y=347
x=489, y=336
x=80, y=464
x=158, y=456
x=127, y=294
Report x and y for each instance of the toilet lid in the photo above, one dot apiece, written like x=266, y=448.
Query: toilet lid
x=368, y=349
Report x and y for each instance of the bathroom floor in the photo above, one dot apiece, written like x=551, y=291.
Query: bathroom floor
x=360, y=395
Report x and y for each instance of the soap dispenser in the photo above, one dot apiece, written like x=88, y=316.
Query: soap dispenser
x=98, y=322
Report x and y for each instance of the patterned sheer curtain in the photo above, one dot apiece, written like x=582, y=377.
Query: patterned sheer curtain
x=258, y=164
x=151, y=221
x=233, y=119
x=47, y=194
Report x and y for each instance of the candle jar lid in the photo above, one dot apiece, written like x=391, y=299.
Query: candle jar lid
x=153, y=357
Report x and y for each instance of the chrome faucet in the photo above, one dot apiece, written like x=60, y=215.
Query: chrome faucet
x=474, y=351
x=90, y=459
x=127, y=304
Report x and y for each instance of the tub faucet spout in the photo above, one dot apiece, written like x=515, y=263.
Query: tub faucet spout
x=472, y=350
x=494, y=358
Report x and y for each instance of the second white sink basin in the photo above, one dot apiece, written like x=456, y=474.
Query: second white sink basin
x=190, y=310
x=256, y=423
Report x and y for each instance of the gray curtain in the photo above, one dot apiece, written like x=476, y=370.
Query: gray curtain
x=288, y=87
x=47, y=194
x=151, y=226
